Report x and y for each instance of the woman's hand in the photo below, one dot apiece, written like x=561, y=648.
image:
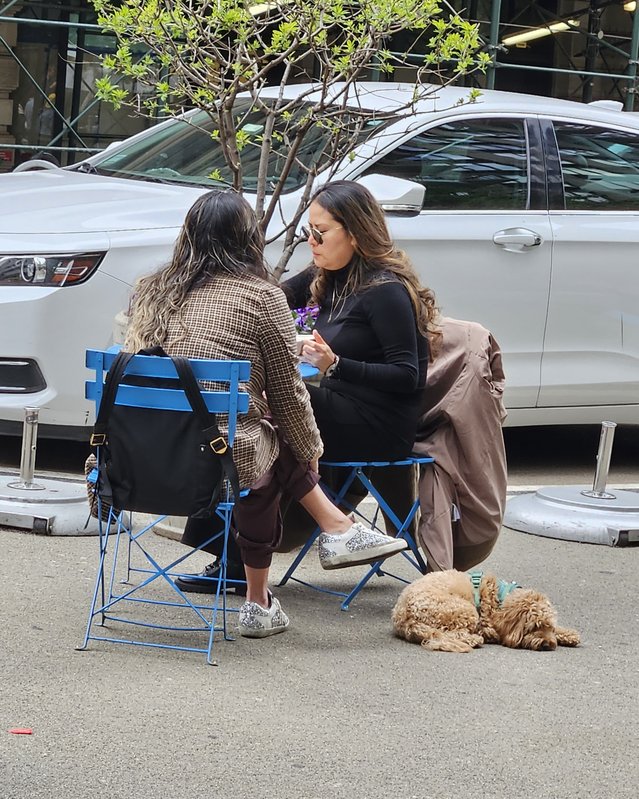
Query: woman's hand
x=317, y=353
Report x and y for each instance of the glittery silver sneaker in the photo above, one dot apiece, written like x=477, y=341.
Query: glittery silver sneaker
x=357, y=545
x=258, y=622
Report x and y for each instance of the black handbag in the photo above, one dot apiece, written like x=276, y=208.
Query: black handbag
x=160, y=461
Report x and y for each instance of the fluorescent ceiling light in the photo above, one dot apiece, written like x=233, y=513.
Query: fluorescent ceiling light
x=539, y=33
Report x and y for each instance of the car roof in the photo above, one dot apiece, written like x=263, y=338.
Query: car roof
x=441, y=99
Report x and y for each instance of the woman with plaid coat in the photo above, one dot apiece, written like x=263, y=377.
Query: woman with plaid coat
x=215, y=300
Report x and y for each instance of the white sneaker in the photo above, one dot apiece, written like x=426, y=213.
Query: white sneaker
x=357, y=545
x=258, y=622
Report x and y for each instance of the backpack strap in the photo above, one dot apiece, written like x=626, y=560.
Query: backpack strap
x=99, y=435
x=111, y=385
x=209, y=426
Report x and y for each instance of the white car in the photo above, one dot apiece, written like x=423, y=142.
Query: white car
x=522, y=213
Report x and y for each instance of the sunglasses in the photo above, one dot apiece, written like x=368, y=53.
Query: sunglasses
x=318, y=235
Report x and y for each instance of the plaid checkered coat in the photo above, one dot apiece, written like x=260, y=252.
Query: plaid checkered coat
x=245, y=318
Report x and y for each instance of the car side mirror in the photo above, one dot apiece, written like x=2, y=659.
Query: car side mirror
x=395, y=195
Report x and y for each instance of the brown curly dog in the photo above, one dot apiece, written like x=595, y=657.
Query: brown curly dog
x=444, y=611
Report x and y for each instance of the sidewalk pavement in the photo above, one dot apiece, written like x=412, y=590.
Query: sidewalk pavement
x=336, y=708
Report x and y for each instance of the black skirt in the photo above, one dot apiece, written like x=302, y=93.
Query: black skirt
x=354, y=431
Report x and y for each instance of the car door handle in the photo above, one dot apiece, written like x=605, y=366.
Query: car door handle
x=514, y=239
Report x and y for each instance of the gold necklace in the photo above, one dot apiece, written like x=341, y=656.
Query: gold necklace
x=336, y=299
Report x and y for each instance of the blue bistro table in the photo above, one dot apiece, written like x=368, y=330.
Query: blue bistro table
x=308, y=371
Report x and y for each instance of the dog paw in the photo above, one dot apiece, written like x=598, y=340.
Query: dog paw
x=568, y=637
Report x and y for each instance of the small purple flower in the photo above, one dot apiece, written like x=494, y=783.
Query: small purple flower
x=305, y=318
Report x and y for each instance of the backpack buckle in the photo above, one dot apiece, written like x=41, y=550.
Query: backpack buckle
x=97, y=439
x=218, y=445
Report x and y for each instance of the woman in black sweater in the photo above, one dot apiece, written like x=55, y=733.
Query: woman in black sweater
x=371, y=337
x=371, y=342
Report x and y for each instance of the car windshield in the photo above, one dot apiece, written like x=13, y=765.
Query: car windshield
x=184, y=151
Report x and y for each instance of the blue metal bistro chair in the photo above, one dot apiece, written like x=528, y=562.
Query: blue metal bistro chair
x=357, y=471
x=114, y=604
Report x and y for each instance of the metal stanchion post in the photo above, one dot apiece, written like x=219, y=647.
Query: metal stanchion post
x=53, y=505
x=603, y=463
x=28, y=454
x=576, y=513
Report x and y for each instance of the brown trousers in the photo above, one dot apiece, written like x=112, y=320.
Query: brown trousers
x=397, y=485
x=257, y=517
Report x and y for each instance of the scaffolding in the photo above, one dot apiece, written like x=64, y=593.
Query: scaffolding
x=47, y=94
x=588, y=59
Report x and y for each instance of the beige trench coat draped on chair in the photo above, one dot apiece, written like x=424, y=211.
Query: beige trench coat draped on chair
x=463, y=495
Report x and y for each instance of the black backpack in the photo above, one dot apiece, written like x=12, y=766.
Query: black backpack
x=160, y=461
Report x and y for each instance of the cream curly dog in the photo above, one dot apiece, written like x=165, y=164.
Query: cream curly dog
x=454, y=611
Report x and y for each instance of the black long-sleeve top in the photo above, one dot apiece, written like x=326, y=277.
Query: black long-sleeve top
x=383, y=358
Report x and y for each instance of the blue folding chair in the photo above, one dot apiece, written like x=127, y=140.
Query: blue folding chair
x=357, y=472
x=116, y=524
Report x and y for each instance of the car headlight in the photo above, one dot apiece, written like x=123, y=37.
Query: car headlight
x=48, y=270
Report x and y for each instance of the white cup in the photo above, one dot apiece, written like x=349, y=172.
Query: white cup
x=300, y=339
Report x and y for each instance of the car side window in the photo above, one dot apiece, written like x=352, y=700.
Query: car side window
x=465, y=165
x=600, y=167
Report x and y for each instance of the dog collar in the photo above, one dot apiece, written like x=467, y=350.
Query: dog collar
x=503, y=588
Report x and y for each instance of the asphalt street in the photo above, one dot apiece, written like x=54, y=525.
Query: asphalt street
x=335, y=708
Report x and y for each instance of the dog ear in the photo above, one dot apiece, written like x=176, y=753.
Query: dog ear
x=524, y=613
x=510, y=623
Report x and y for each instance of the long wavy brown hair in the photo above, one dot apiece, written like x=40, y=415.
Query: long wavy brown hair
x=220, y=235
x=376, y=258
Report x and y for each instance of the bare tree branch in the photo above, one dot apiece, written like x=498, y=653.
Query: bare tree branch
x=219, y=55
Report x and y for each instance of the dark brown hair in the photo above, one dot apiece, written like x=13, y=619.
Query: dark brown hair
x=376, y=259
x=220, y=235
